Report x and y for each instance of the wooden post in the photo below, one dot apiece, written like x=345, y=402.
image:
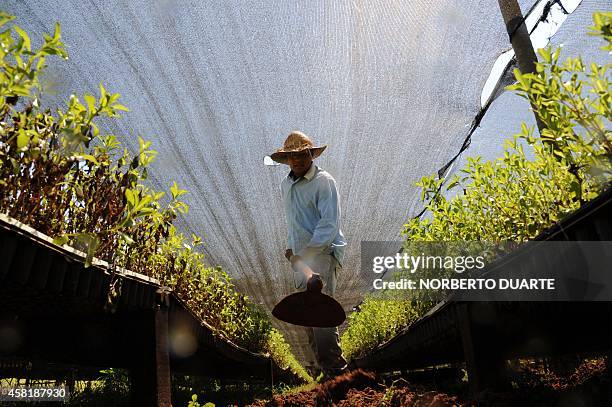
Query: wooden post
x=519, y=37
x=162, y=357
x=151, y=373
x=485, y=364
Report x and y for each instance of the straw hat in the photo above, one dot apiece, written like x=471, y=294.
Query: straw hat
x=295, y=143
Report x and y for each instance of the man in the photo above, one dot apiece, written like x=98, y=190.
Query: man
x=313, y=224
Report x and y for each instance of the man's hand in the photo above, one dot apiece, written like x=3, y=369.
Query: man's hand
x=314, y=283
x=291, y=257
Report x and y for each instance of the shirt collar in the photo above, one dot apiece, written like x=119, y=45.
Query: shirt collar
x=309, y=174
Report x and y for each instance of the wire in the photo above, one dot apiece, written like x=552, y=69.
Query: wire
x=543, y=17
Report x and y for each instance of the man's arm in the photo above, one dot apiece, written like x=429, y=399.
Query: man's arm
x=329, y=224
x=283, y=191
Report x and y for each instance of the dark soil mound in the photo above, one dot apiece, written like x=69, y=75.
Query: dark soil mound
x=337, y=389
x=589, y=384
x=360, y=388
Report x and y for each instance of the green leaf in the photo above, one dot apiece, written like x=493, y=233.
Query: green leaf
x=91, y=102
x=102, y=92
x=5, y=18
x=143, y=202
x=24, y=35
x=518, y=75
x=22, y=139
x=176, y=191
x=89, y=243
x=576, y=188
x=61, y=240
x=126, y=238
x=95, y=131
x=87, y=157
x=453, y=182
x=130, y=196
x=57, y=32
x=555, y=55
x=144, y=212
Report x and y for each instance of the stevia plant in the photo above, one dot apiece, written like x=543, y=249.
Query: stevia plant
x=61, y=175
x=514, y=198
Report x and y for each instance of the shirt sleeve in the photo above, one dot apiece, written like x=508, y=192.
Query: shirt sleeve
x=328, y=226
x=283, y=191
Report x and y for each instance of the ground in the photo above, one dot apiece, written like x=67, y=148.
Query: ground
x=588, y=384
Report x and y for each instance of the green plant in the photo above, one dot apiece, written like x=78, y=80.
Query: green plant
x=62, y=176
x=281, y=353
x=380, y=318
x=194, y=402
x=112, y=387
x=516, y=197
x=115, y=381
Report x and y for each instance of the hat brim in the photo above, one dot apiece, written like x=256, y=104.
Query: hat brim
x=282, y=156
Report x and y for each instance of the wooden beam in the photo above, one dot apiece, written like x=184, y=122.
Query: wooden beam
x=150, y=374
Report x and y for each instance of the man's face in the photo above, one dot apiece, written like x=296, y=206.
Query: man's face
x=300, y=162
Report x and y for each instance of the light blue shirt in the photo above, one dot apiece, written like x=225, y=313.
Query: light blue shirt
x=312, y=210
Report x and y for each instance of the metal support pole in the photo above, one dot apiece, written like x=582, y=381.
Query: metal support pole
x=521, y=43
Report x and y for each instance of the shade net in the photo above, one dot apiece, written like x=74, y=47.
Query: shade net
x=392, y=87
x=505, y=115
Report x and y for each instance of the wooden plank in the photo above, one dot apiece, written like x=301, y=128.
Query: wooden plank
x=84, y=283
x=71, y=281
x=126, y=285
x=95, y=288
x=137, y=299
x=132, y=294
x=23, y=261
x=9, y=248
x=12, y=233
x=40, y=273
x=55, y=282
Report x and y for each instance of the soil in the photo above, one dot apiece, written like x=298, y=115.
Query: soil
x=361, y=388
x=590, y=384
